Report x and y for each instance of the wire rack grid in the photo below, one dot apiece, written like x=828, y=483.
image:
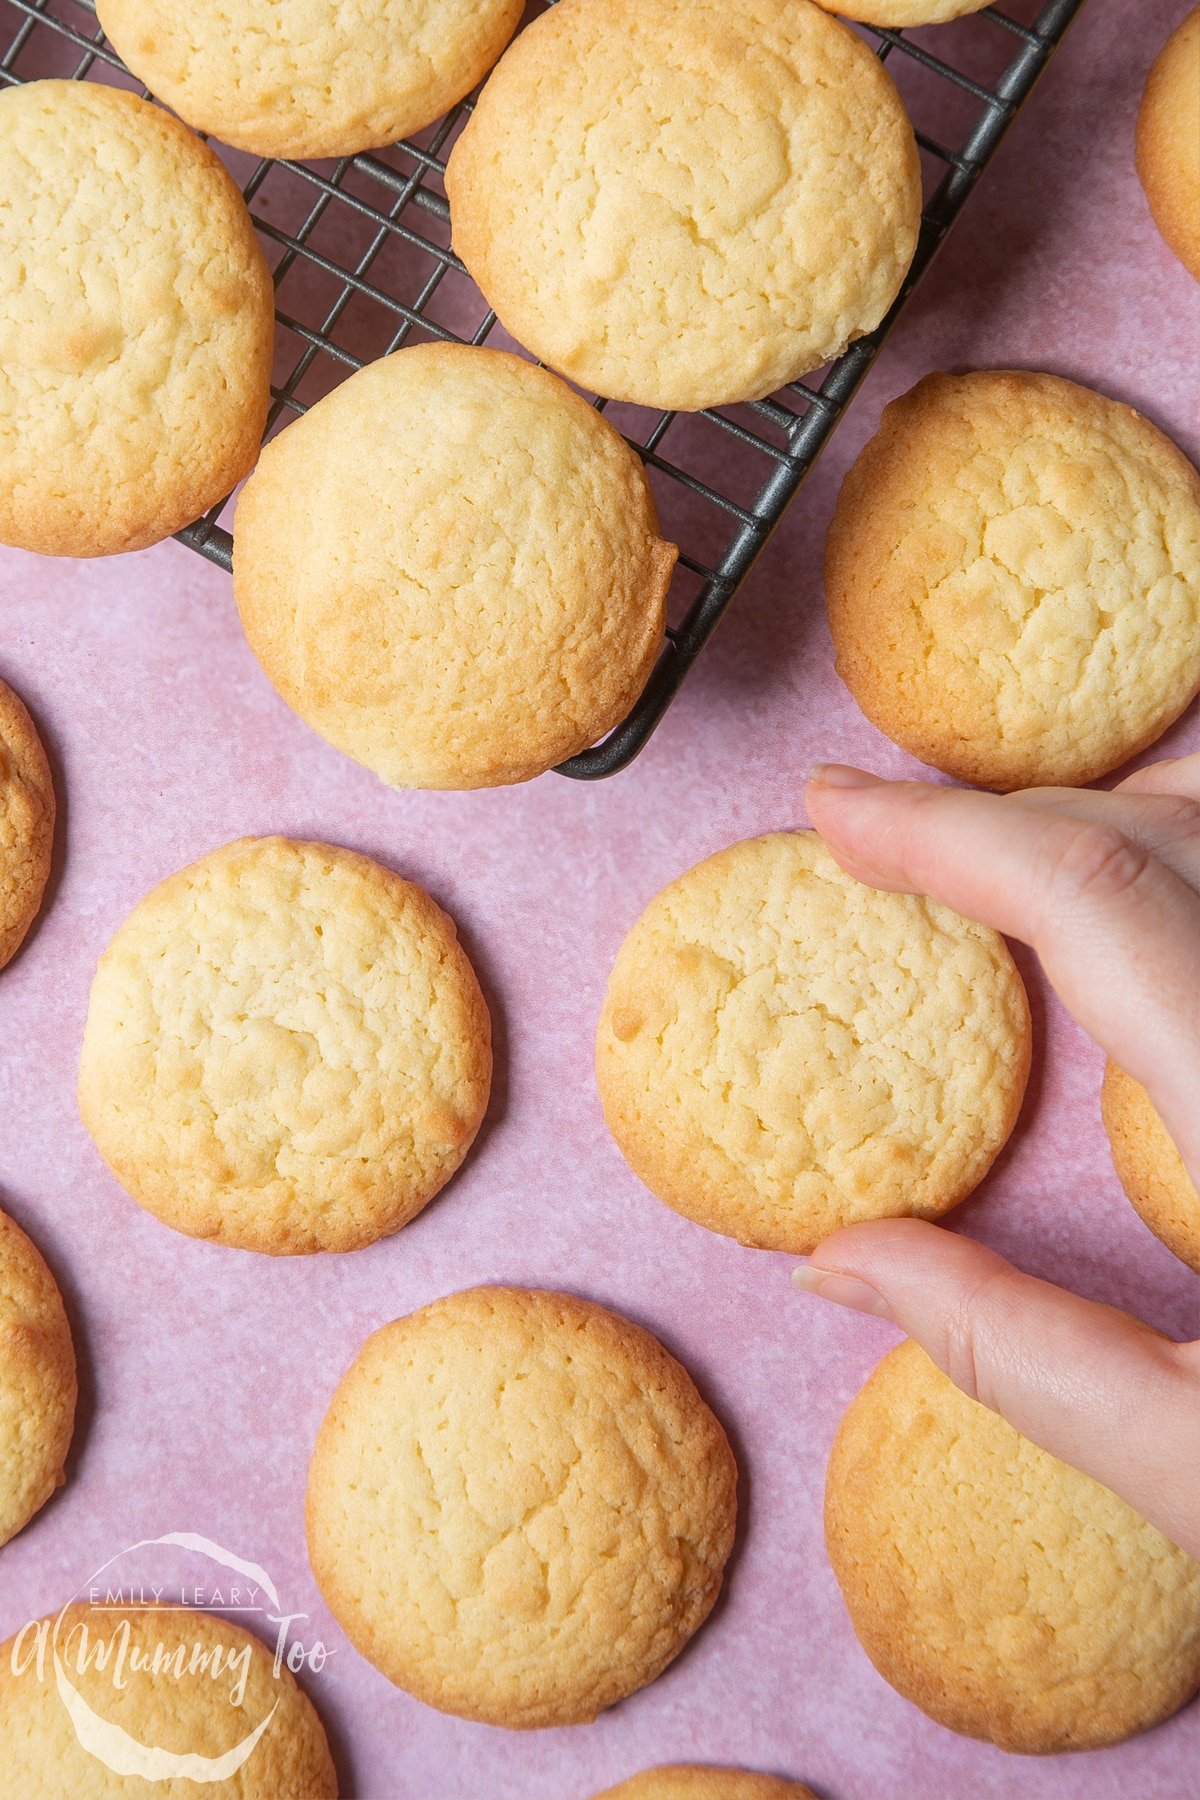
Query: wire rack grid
x=370, y=300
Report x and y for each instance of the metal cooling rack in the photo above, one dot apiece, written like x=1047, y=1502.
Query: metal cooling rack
x=397, y=197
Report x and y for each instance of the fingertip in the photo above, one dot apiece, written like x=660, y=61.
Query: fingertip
x=843, y=776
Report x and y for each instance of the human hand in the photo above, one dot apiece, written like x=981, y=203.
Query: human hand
x=1106, y=888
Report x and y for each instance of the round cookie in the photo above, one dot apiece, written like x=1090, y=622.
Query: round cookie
x=897, y=14
x=37, y=1382
x=691, y=1781
x=26, y=823
x=1150, y=1168
x=136, y=323
x=451, y=569
x=783, y=1050
x=592, y=198
x=1168, y=142
x=285, y=78
x=1013, y=579
x=519, y=1507
x=1007, y=1595
x=175, y=1729
x=286, y=1049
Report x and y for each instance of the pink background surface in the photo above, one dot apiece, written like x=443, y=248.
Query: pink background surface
x=205, y=1371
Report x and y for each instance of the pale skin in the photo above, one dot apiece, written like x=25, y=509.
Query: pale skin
x=1105, y=887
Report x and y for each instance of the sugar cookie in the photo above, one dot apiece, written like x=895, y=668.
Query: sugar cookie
x=285, y=78
x=451, y=569
x=1013, y=579
x=136, y=323
x=143, y=1700
x=26, y=823
x=691, y=1781
x=783, y=1050
x=1168, y=142
x=1150, y=1168
x=684, y=203
x=37, y=1382
x=1008, y=1596
x=286, y=1049
x=519, y=1507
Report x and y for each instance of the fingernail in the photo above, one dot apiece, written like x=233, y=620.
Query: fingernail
x=843, y=1290
x=841, y=775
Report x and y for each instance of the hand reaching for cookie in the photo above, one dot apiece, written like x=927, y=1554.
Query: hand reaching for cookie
x=1106, y=888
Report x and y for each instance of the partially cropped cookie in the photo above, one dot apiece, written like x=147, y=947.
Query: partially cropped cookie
x=451, y=568
x=286, y=1049
x=123, y=1703
x=1150, y=1168
x=692, y=1781
x=136, y=323
x=783, y=1050
x=37, y=1382
x=685, y=203
x=1013, y=579
x=519, y=1507
x=285, y=78
x=1168, y=142
x=895, y=14
x=26, y=823
x=1007, y=1595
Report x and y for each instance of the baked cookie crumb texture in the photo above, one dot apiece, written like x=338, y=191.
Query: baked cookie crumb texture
x=286, y=1049
x=519, y=1507
x=37, y=1382
x=1150, y=1168
x=1168, y=142
x=783, y=1050
x=27, y=811
x=1013, y=579
x=1007, y=1595
x=136, y=323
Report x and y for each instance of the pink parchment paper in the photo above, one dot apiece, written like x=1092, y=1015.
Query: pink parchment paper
x=205, y=1371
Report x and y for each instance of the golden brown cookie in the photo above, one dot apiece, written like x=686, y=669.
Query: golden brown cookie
x=37, y=1382
x=594, y=197
x=1008, y=1596
x=285, y=78
x=136, y=323
x=1168, y=142
x=783, y=1050
x=1150, y=1168
x=519, y=1507
x=26, y=823
x=691, y=1781
x=1013, y=579
x=154, y=1703
x=451, y=568
x=896, y=14
x=286, y=1049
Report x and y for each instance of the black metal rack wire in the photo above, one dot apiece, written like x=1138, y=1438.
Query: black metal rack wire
x=396, y=198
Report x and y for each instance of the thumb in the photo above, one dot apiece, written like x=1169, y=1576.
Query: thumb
x=1093, y=1386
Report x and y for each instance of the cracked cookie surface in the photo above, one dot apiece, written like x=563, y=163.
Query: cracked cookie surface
x=287, y=78
x=1013, y=579
x=783, y=1050
x=1007, y=1595
x=451, y=569
x=27, y=812
x=519, y=1507
x=37, y=1381
x=1149, y=1167
x=136, y=323
x=286, y=1049
x=180, y=1706
x=682, y=203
